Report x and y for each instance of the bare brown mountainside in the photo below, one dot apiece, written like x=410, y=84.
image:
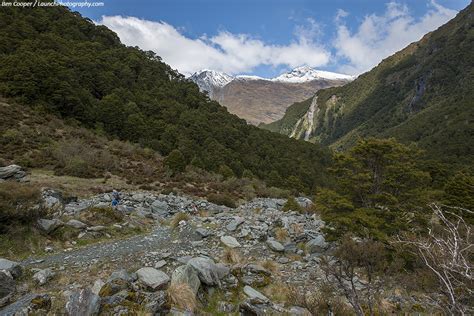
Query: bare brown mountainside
x=265, y=101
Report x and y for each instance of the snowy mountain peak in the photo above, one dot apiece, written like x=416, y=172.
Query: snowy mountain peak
x=209, y=79
x=306, y=73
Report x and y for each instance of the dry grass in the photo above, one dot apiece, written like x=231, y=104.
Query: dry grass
x=271, y=266
x=278, y=292
x=281, y=234
x=232, y=256
x=181, y=296
x=178, y=217
x=297, y=229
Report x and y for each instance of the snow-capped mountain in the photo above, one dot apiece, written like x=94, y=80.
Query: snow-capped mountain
x=208, y=80
x=258, y=99
x=306, y=73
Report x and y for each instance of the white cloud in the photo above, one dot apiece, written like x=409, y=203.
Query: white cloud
x=228, y=52
x=379, y=36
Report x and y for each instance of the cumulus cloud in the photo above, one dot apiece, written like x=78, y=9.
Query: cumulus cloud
x=227, y=52
x=379, y=36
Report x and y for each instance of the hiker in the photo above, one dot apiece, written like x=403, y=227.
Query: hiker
x=115, y=198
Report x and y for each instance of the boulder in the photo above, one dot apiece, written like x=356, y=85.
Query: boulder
x=98, y=284
x=298, y=311
x=155, y=303
x=188, y=275
x=97, y=228
x=317, y=244
x=275, y=245
x=29, y=304
x=236, y=222
x=153, y=278
x=203, y=232
x=207, y=270
x=254, y=294
x=12, y=172
x=10, y=267
x=43, y=276
x=83, y=302
x=230, y=242
x=119, y=280
x=7, y=288
x=49, y=225
x=74, y=223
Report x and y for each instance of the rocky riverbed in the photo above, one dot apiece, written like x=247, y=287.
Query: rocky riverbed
x=237, y=252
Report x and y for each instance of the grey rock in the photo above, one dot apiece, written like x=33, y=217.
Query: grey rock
x=97, y=228
x=184, y=259
x=159, y=207
x=275, y=245
x=225, y=308
x=299, y=311
x=98, y=284
x=122, y=274
x=49, y=225
x=12, y=171
x=76, y=224
x=206, y=269
x=188, y=275
x=254, y=294
x=11, y=267
x=256, y=268
x=230, y=242
x=7, y=288
x=43, y=276
x=317, y=244
x=203, y=232
x=83, y=302
x=153, y=278
x=29, y=304
x=155, y=302
x=236, y=222
x=115, y=299
x=160, y=264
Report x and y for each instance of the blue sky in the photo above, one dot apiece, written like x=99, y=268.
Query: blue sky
x=267, y=37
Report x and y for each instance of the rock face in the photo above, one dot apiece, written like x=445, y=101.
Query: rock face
x=207, y=270
x=188, y=275
x=230, y=242
x=49, y=225
x=10, y=267
x=153, y=278
x=83, y=302
x=7, y=288
x=14, y=172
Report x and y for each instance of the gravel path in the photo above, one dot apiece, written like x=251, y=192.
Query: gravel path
x=160, y=239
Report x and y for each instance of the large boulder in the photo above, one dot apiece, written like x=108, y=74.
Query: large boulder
x=207, y=270
x=188, y=275
x=12, y=172
x=160, y=207
x=49, y=225
x=230, y=242
x=83, y=302
x=29, y=304
x=317, y=244
x=119, y=280
x=7, y=288
x=153, y=278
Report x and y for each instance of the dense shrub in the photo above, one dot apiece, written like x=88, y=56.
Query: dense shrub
x=221, y=199
x=19, y=204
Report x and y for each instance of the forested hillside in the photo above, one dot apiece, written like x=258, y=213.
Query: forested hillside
x=56, y=61
x=422, y=94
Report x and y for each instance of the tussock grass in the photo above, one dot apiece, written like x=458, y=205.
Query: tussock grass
x=281, y=234
x=178, y=217
x=270, y=265
x=232, y=256
x=181, y=296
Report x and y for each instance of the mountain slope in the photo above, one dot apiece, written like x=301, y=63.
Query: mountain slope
x=422, y=94
x=258, y=99
x=58, y=62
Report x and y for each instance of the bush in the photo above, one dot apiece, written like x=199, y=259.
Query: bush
x=176, y=161
x=18, y=204
x=292, y=205
x=222, y=199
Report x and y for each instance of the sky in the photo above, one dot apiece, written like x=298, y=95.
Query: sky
x=268, y=37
